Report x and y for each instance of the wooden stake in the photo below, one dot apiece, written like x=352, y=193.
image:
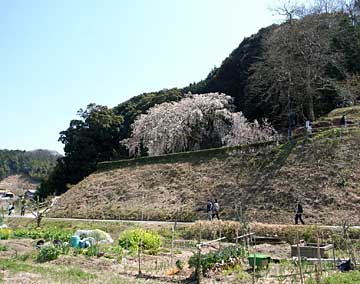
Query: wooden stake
x=333, y=252
x=139, y=256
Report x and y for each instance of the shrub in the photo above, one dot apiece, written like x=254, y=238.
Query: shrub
x=149, y=240
x=47, y=253
x=5, y=234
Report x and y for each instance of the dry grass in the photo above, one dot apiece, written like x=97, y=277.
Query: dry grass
x=322, y=172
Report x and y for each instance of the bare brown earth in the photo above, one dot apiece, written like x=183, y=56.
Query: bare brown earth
x=18, y=183
x=322, y=172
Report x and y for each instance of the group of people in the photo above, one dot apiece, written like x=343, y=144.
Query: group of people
x=212, y=209
x=11, y=207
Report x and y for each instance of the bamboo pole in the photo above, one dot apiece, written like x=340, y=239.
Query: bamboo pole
x=199, y=270
x=254, y=265
x=299, y=259
x=318, y=254
x=172, y=244
x=244, y=236
x=210, y=242
x=318, y=265
x=220, y=238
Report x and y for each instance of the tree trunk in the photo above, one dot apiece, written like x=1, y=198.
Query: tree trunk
x=309, y=95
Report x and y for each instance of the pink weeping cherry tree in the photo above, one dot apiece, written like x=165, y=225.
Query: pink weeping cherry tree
x=198, y=121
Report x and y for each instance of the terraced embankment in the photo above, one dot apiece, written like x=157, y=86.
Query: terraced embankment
x=267, y=180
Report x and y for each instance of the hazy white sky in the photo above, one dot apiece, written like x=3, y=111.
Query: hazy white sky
x=59, y=56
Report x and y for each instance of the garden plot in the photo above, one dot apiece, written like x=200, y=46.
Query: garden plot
x=166, y=254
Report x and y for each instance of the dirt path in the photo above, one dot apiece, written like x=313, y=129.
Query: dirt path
x=30, y=216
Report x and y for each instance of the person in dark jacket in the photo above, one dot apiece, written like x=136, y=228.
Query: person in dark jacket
x=343, y=121
x=298, y=215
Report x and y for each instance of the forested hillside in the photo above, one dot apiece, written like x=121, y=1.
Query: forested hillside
x=288, y=73
x=34, y=164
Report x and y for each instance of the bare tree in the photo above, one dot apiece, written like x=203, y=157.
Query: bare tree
x=297, y=55
x=38, y=210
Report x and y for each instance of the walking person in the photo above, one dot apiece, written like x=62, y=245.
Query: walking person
x=343, y=121
x=23, y=204
x=11, y=207
x=298, y=215
x=209, y=209
x=216, y=209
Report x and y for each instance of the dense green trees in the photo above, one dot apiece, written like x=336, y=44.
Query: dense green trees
x=36, y=164
x=92, y=138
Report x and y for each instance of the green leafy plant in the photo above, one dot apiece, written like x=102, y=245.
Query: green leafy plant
x=48, y=234
x=91, y=251
x=226, y=257
x=114, y=252
x=48, y=253
x=64, y=248
x=5, y=234
x=132, y=239
x=180, y=264
x=4, y=248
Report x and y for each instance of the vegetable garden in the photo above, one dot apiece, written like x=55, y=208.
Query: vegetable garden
x=202, y=252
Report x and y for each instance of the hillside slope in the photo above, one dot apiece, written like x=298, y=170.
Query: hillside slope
x=18, y=184
x=323, y=172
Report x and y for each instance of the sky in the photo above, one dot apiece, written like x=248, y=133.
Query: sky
x=57, y=56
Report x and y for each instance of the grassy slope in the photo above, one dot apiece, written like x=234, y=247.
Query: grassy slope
x=323, y=172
